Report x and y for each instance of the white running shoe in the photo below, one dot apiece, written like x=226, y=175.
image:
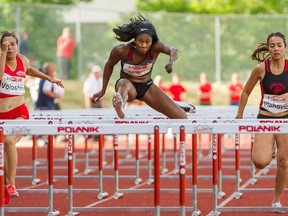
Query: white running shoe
x=278, y=205
x=186, y=106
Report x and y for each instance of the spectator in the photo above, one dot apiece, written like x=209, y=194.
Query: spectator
x=48, y=92
x=23, y=44
x=235, y=88
x=204, y=90
x=32, y=83
x=177, y=90
x=92, y=85
x=23, y=49
x=65, y=49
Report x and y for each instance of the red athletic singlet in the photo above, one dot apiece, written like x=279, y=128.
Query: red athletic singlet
x=12, y=82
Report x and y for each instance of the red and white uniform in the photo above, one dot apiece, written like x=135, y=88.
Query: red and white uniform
x=11, y=85
x=138, y=70
x=12, y=82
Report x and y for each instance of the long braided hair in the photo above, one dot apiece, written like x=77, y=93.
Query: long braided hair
x=136, y=26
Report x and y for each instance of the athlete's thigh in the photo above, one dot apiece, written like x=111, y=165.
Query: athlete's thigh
x=162, y=103
x=263, y=146
x=125, y=85
x=13, y=139
x=282, y=146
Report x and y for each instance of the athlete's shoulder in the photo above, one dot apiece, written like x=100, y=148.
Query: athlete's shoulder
x=25, y=60
x=120, y=51
x=260, y=67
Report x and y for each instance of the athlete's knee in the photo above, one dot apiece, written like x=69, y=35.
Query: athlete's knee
x=123, y=83
x=260, y=163
x=8, y=143
x=184, y=116
x=282, y=163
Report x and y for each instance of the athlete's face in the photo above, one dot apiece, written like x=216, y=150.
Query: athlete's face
x=276, y=47
x=143, y=43
x=9, y=43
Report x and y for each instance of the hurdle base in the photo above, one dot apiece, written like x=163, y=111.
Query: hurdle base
x=35, y=181
x=196, y=213
x=150, y=181
x=88, y=171
x=221, y=194
x=118, y=195
x=54, y=213
x=72, y=213
x=102, y=195
x=253, y=181
x=238, y=195
x=75, y=171
x=216, y=213
x=176, y=171
x=138, y=181
x=164, y=171
x=128, y=156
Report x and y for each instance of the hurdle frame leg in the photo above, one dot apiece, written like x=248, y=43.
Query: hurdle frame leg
x=117, y=194
x=214, y=151
x=50, y=154
x=196, y=211
x=138, y=180
x=101, y=194
x=35, y=180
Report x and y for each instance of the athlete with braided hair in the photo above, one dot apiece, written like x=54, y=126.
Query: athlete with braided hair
x=272, y=74
x=137, y=58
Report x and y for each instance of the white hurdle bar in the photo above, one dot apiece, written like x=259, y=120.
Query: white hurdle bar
x=193, y=128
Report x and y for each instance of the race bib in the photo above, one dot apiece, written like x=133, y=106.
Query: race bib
x=137, y=70
x=275, y=103
x=12, y=85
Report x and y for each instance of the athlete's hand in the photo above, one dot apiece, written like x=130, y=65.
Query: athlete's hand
x=97, y=96
x=5, y=46
x=169, y=67
x=57, y=81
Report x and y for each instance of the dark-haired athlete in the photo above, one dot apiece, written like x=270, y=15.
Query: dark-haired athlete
x=137, y=58
x=272, y=73
x=13, y=71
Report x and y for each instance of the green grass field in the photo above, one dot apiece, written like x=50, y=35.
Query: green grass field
x=74, y=99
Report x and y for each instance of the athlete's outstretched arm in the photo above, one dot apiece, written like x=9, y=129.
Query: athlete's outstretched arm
x=168, y=50
x=114, y=58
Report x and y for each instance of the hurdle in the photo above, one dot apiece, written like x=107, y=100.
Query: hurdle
x=205, y=127
x=14, y=129
x=230, y=128
x=25, y=130
x=96, y=121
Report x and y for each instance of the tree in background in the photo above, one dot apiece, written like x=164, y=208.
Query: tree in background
x=215, y=6
x=192, y=33
x=62, y=2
